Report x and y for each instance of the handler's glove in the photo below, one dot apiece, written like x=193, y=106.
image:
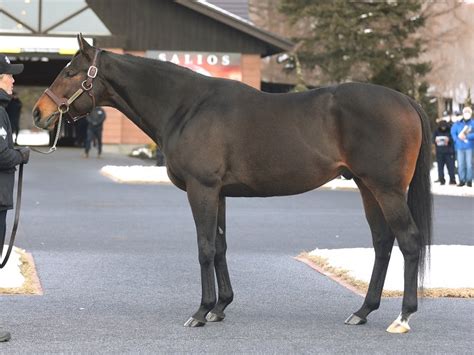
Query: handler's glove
x=25, y=154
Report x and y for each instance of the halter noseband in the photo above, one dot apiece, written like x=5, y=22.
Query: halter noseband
x=86, y=86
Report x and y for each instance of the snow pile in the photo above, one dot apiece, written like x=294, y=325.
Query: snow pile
x=32, y=138
x=157, y=174
x=10, y=275
x=136, y=174
x=451, y=265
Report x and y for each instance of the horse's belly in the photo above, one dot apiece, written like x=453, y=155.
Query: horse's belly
x=275, y=185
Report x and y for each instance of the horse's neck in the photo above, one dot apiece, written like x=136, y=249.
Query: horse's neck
x=148, y=93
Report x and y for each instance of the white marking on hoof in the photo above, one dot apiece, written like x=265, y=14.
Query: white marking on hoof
x=399, y=326
x=355, y=320
x=212, y=317
x=193, y=323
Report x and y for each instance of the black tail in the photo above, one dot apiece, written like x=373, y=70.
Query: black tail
x=420, y=200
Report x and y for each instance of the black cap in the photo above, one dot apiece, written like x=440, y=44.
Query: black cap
x=7, y=68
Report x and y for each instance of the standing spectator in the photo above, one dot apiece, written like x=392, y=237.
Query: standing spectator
x=14, y=113
x=9, y=157
x=444, y=152
x=462, y=133
x=95, y=122
x=160, y=157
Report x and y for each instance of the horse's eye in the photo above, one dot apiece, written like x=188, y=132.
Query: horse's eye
x=70, y=73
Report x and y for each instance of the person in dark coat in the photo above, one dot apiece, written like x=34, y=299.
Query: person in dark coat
x=14, y=113
x=444, y=152
x=9, y=157
x=95, y=123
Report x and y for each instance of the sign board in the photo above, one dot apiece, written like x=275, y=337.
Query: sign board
x=221, y=65
x=40, y=44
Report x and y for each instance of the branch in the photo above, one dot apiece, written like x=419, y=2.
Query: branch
x=429, y=11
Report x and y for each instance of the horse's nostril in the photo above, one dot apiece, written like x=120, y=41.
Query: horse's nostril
x=36, y=115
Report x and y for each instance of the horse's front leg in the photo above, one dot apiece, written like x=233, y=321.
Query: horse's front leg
x=226, y=295
x=204, y=203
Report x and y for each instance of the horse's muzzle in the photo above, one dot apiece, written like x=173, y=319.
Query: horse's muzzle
x=45, y=123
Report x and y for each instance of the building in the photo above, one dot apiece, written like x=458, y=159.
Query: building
x=197, y=34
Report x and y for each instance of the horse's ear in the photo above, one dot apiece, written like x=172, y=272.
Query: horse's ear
x=84, y=47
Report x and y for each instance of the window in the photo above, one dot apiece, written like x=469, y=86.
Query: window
x=55, y=17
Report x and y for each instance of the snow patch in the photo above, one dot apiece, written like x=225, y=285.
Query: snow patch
x=136, y=174
x=10, y=275
x=450, y=266
x=158, y=174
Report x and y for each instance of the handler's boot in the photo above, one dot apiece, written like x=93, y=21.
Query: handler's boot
x=4, y=336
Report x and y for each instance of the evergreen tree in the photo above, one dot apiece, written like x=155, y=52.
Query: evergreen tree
x=372, y=41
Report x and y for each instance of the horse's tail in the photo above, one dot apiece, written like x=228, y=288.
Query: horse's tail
x=420, y=200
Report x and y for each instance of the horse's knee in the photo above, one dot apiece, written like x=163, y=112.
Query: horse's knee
x=206, y=255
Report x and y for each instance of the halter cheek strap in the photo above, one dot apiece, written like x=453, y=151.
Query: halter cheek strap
x=86, y=86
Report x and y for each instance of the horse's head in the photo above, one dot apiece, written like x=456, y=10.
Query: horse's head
x=75, y=90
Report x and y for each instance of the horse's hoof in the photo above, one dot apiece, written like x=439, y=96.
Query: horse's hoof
x=213, y=317
x=399, y=326
x=193, y=323
x=355, y=320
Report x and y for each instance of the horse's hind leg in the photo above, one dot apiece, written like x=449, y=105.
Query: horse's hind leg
x=383, y=242
x=226, y=294
x=204, y=203
x=400, y=220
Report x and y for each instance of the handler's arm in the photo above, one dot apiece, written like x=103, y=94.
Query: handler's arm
x=9, y=158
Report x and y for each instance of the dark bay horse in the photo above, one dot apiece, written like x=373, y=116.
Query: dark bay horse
x=224, y=139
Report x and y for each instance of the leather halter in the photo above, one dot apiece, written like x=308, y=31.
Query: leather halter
x=64, y=103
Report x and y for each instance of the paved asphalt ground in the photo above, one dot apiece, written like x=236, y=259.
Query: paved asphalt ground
x=118, y=265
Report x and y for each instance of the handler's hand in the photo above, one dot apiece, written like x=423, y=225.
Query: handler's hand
x=25, y=153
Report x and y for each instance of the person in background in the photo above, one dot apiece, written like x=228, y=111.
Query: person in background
x=9, y=157
x=444, y=152
x=160, y=157
x=462, y=133
x=95, y=123
x=14, y=112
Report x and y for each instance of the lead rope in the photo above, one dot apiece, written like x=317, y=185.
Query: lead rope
x=58, y=132
x=17, y=217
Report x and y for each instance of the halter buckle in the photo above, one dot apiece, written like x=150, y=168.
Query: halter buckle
x=92, y=72
x=63, y=108
x=85, y=87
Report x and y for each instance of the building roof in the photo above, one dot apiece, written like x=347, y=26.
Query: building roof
x=236, y=7
x=217, y=13
x=159, y=24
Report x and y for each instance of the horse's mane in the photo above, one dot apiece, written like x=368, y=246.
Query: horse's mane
x=157, y=64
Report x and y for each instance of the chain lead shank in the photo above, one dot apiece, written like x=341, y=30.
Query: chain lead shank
x=58, y=132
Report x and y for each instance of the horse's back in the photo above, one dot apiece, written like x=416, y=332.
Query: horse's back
x=280, y=144
x=263, y=144
x=312, y=137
